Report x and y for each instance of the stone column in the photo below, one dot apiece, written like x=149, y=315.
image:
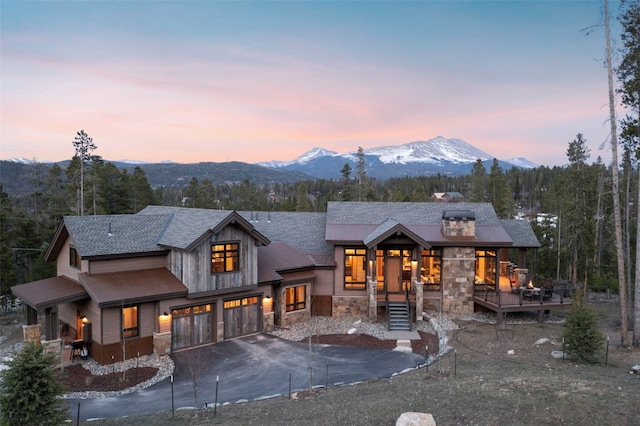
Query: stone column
x=419, y=286
x=31, y=333
x=373, y=300
x=162, y=343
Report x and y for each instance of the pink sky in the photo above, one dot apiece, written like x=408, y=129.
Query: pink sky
x=208, y=92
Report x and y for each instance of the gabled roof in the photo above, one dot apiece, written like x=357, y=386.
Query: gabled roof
x=388, y=228
x=122, y=288
x=357, y=222
x=49, y=292
x=405, y=213
x=109, y=235
x=187, y=226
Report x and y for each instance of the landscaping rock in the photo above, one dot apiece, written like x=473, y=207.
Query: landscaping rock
x=412, y=418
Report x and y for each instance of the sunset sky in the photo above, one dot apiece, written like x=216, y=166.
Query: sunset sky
x=192, y=81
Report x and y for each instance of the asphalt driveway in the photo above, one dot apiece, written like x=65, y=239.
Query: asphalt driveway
x=247, y=369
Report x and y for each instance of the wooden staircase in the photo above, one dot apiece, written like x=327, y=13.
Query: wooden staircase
x=399, y=316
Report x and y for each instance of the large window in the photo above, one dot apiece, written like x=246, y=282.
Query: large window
x=296, y=298
x=130, y=322
x=486, y=267
x=430, y=269
x=355, y=273
x=74, y=258
x=224, y=258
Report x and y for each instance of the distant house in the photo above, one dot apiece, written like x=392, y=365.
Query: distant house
x=447, y=197
x=171, y=278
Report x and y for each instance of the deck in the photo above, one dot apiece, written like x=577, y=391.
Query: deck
x=502, y=302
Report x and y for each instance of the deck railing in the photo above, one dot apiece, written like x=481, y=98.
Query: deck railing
x=545, y=291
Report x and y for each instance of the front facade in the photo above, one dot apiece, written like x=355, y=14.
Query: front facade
x=168, y=279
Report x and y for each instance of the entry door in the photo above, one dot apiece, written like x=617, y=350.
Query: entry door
x=393, y=274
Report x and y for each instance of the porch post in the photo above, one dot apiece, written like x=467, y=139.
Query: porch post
x=373, y=300
x=418, y=285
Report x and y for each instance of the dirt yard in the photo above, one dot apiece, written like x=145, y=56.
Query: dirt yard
x=480, y=382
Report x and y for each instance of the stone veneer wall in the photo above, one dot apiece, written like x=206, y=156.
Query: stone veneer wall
x=458, y=228
x=162, y=343
x=290, y=318
x=350, y=306
x=458, y=273
x=268, y=322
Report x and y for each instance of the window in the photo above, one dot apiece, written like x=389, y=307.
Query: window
x=430, y=273
x=486, y=267
x=355, y=261
x=224, y=258
x=74, y=258
x=130, y=322
x=296, y=298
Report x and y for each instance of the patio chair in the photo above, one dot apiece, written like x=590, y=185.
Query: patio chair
x=547, y=294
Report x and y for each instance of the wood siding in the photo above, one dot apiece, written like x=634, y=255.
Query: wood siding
x=62, y=262
x=107, y=354
x=111, y=333
x=129, y=264
x=194, y=268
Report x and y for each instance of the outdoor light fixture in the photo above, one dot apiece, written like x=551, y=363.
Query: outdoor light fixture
x=165, y=314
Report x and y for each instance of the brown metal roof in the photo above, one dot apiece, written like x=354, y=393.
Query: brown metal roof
x=115, y=289
x=278, y=257
x=49, y=292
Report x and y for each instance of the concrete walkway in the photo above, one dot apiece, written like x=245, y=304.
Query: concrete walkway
x=247, y=369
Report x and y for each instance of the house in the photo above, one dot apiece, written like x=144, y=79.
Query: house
x=170, y=278
x=447, y=197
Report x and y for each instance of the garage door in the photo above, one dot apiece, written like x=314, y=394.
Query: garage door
x=191, y=326
x=241, y=316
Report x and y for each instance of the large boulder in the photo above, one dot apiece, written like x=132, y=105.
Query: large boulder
x=411, y=418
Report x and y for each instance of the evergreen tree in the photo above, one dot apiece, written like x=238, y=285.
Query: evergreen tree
x=478, y=193
x=30, y=389
x=581, y=336
x=346, y=182
x=83, y=145
x=140, y=191
x=8, y=272
x=500, y=194
x=361, y=173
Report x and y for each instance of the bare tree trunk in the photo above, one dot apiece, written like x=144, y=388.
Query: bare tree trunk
x=636, y=308
x=624, y=327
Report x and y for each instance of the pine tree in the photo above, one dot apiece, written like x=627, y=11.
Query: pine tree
x=30, y=389
x=581, y=336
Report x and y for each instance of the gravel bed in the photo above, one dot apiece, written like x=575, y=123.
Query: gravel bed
x=164, y=364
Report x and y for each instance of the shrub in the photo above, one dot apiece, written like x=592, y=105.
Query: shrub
x=30, y=388
x=581, y=336
x=603, y=283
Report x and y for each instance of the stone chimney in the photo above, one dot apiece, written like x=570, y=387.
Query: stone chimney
x=459, y=223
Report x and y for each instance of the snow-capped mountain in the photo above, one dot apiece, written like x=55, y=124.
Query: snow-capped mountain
x=437, y=155
x=432, y=151
x=304, y=158
x=22, y=160
x=522, y=163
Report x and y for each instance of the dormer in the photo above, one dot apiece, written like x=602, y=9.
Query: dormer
x=459, y=223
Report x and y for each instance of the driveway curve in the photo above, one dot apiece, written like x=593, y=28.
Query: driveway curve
x=247, y=369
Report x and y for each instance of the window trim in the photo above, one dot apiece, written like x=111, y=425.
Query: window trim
x=75, y=261
x=296, y=305
x=136, y=329
x=227, y=255
x=355, y=285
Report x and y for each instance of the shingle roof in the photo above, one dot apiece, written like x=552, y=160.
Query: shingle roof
x=115, y=234
x=304, y=230
x=188, y=225
x=405, y=213
x=49, y=292
x=520, y=232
